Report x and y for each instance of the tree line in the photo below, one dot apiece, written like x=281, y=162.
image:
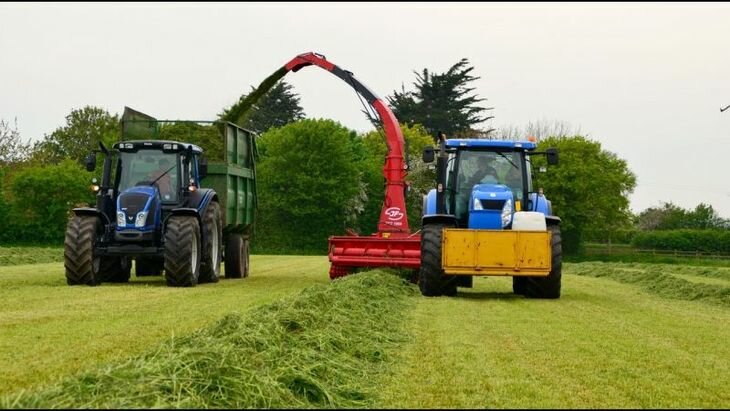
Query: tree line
x=318, y=178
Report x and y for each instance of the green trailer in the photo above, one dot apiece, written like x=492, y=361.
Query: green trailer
x=178, y=196
x=234, y=179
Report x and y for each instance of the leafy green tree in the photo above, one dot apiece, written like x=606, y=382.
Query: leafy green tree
x=43, y=196
x=420, y=178
x=276, y=108
x=669, y=216
x=83, y=131
x=308, y=181
x=589, y=189
x=12, y=148
x=441, y=102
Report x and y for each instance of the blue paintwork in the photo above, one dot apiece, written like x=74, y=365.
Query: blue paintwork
x=540, y=204
x=488, y=219
x=430, y=202
x=153, y=195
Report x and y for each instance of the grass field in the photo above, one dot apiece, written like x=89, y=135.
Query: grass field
x=622, y=335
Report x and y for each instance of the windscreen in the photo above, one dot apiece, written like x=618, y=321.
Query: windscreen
x=146, y=166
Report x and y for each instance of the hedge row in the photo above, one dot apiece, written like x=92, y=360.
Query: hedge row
x=715, y=241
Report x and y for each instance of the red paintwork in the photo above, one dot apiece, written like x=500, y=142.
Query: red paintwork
x=393, y=245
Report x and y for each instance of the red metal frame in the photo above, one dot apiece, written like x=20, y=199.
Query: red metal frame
x=393, y=245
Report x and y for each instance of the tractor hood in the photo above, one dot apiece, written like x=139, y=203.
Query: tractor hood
x=138, y=208
x=491, y=206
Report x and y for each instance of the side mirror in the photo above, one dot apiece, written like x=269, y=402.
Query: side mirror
x=203, y=168
x=428, y=154
x=552, y=156
x=91, y=162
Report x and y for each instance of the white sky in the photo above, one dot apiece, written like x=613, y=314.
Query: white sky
x=646, y=80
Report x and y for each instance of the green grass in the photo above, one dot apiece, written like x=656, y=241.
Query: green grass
x=10, y=255
x=628, y=335
x=319, y=348
x=660, y=280
x=603, y=344
x=50, y=329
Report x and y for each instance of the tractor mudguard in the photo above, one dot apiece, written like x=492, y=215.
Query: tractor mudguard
x=92, y=211
x=445, y=219
x=200, y=198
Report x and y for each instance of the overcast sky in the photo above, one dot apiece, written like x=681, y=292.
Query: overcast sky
x=646, y=80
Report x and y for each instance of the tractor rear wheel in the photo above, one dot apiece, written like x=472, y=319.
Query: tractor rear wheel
x=431, y=281
x=518, y=285
x=237, y=256
x=82, y=266
x=115, y=269
x=548, y=287
x=182, y=251
x=147, y=266
x=210, y=266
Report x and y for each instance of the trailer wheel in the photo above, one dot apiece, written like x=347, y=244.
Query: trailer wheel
x=548, y=287
x=246, y=257
x=115, y=269
x=147, y=266
x=82, y=266
x=236, y=256
x=182, y=251
x=210, y=266
x=432, y=281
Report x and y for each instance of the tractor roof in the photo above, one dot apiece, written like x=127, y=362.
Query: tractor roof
x=481, y=143
x=158, y=145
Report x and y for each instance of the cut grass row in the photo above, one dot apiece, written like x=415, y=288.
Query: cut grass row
x=11, y=255
x=319, y=348
x=50, y=329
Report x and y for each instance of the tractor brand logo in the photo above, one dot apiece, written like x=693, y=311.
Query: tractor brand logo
x=394, y=213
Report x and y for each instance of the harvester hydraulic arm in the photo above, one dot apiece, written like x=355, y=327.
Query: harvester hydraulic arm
x=393, y=217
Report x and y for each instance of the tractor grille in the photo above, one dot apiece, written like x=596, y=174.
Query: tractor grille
x=492, y=204
x=133, y=202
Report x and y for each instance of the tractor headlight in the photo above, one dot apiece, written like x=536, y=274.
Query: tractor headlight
x=507, y=213
x=120, y=219
x=141, y=219
x=478, y=204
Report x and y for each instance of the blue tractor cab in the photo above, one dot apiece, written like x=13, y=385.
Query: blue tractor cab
x=485, y=218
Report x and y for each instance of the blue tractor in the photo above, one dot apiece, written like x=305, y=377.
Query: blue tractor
x=485, y=218
x=151, y=208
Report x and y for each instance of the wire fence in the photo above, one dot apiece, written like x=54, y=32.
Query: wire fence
x=624, y=249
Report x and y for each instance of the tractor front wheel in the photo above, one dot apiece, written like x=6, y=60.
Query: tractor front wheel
x=431, y=281
x=548, y=287
x=82, y=266
x=182, y=251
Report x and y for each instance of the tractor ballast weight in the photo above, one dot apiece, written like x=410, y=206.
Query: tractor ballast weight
x=393, y=245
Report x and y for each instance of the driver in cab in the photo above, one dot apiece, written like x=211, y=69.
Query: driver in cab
x=162, y=178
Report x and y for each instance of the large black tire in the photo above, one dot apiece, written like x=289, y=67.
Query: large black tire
x=431, y=281
x=115, y=269
x=548, y=287
x=82, y=266
x=144, y=267
x=237, y=256
x=210, y=266
x=182, y=251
